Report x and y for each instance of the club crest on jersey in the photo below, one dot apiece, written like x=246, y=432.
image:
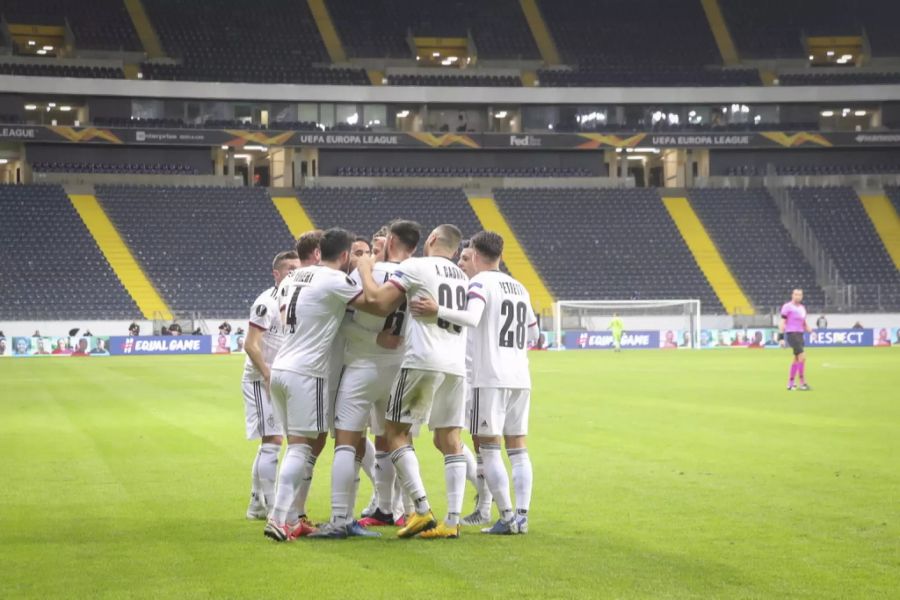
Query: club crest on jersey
x=261, y=310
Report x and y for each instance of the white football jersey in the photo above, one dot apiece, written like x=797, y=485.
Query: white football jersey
x=500, y=347
x=313, y=300
x=265, y=317
x=433, y=344
x=365, y=352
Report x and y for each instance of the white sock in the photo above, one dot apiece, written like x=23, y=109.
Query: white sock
x=485, y=497
x=354, y=490
x=299, y=507
x=255, y=488
x=385, y=478
x=368, y=460
x=293, y=469
x=407, y=467
x=455, y=477
x=267, y=471
x=497, y=479
x=409, y=507
x=522, y=477
x=402, y=504
x=343, y=472
x=471, y=466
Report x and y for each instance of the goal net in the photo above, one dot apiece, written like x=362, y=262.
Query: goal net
x=586, y=324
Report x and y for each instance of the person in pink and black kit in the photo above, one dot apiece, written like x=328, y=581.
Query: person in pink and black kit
x=791, y=329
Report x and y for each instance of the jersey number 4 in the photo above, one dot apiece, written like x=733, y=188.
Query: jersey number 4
x=510, y=312
x=291, y=315
x=445, y=299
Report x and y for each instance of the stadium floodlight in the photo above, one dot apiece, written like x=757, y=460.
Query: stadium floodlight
x=65, y=108
x=827, y=113
x=31, y=107
x=681, y=317
x=402, y=114
x=860, y=113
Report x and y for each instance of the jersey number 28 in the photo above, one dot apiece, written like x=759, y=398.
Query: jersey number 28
x=511, y=311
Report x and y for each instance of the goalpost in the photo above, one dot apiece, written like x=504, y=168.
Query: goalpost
x=675, y=321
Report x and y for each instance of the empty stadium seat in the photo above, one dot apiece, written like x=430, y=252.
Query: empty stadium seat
x=838, y=78
x=615, y=244
x=404, y=171
x=840, y=223
x=746, y=228
x=115, y=168
x=776, y=28
x=381, y=29
x=270, y=41
x=58, y=70
x=365, y=210
x=623, y=42
x=456, y=79
x=103, y=25
x=893, y=193
x=206, y=249
x=52, y=269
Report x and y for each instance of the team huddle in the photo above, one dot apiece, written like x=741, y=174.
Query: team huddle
x=350, y=340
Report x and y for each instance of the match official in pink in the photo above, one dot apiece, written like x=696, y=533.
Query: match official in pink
x=791, y=329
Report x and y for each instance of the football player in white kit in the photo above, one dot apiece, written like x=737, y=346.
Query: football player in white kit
x=264, y=337
x=314, y=301
x=474, y=465
x=500, y=316
x=370, y=367
x=430, y=387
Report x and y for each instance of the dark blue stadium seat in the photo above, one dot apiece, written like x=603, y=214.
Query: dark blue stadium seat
x=365, y=210
x=616, y=244
x=206, y=249
x=380, y=29
x=272, y=41
x=51, y=268
x=746, y=228
x=840, y=223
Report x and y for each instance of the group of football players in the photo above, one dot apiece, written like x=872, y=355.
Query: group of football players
x=361, y=335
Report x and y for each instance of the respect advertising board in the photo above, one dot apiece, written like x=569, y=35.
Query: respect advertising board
x=841, y=338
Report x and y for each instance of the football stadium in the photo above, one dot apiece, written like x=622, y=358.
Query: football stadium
x=427, y=298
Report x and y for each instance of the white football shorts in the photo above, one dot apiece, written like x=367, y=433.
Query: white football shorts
x=432, y=397
x=261, y=418
x=301, y=403
x=362, y=392
x=499, y=411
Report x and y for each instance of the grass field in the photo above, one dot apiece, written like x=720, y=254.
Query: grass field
x=657, y=475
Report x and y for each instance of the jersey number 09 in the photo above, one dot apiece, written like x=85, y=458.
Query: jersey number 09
x=445, y=299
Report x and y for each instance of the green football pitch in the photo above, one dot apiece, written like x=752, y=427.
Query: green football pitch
x=657, y=475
